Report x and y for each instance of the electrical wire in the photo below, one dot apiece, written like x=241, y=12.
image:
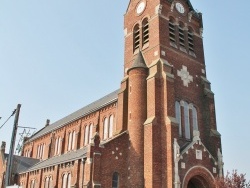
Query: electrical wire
x=8, y=118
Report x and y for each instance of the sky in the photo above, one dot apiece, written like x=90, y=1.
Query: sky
x=58, y=56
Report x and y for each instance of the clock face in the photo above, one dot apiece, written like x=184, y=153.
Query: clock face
x=140, y=8
x=180, y=8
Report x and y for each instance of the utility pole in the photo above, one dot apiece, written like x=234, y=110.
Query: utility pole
x=12, y=146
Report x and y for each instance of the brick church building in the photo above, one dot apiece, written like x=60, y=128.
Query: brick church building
x=157, y=131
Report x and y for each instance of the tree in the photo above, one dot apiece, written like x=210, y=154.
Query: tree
x=233, y=180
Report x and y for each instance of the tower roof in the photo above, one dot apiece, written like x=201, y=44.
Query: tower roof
x=139, y=62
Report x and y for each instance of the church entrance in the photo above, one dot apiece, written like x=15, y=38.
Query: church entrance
x=197, y=182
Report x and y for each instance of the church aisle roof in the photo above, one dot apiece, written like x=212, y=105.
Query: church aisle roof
x=68, y=157
x=22, y=163
x=106, y=100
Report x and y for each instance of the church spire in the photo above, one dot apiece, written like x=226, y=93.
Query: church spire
x=139, y=62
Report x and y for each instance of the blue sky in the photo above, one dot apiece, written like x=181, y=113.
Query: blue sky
x=58, y=56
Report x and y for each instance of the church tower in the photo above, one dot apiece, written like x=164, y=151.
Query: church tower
x=173, y=137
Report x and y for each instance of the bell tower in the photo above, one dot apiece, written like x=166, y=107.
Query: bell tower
x=171, y=121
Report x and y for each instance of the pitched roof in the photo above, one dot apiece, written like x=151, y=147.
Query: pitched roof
x=20, y=163
x=139, y=62
x=68, y=157
x=106, y=100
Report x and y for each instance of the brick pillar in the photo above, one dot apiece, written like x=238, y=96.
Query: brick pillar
x=170, y=124
x=87, y=173
x=152, y=129
x=121, y=123
x=81, y=173
x=137, y=114
x=96, y=172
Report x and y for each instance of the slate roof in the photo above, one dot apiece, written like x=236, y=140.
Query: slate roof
x=139, y=62
x=68, y=157
x=21, y=164
x=106, y=100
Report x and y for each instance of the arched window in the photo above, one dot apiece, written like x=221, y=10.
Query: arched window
x=90, y=132
x=171, y=27
x=66, y=181
x=145, y=31
x=64, y=184
x=178, y=116
x=73, y=140
x=50, y=182
x=190, y=40
x=46, y=184
x=59, y=146
x=186, y=120
x=181, y=35
x=38, y=152
x=33, y=184
x=105, y=129
x=69, y=181
x=70, y=141
x=111, y=125
x=189, y=116
x=115, y=180
x=136, y=33
x=86, y=135
x=56, y=146
x=195, y=120
x=41, y=151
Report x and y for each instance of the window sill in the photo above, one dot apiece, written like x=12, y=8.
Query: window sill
x=173, y=45
x=146, y=45
x=192, y=54
x=136, y=51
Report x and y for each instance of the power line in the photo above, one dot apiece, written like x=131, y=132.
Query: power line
x=25, y=133
x=13, y=113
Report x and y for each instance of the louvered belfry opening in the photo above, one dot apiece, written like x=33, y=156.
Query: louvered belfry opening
x=181, y=36
x=172, y=31
x=136, y=37
x=190, y=40
x=145, y=27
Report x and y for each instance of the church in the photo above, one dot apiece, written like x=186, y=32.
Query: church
x=158, y=130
